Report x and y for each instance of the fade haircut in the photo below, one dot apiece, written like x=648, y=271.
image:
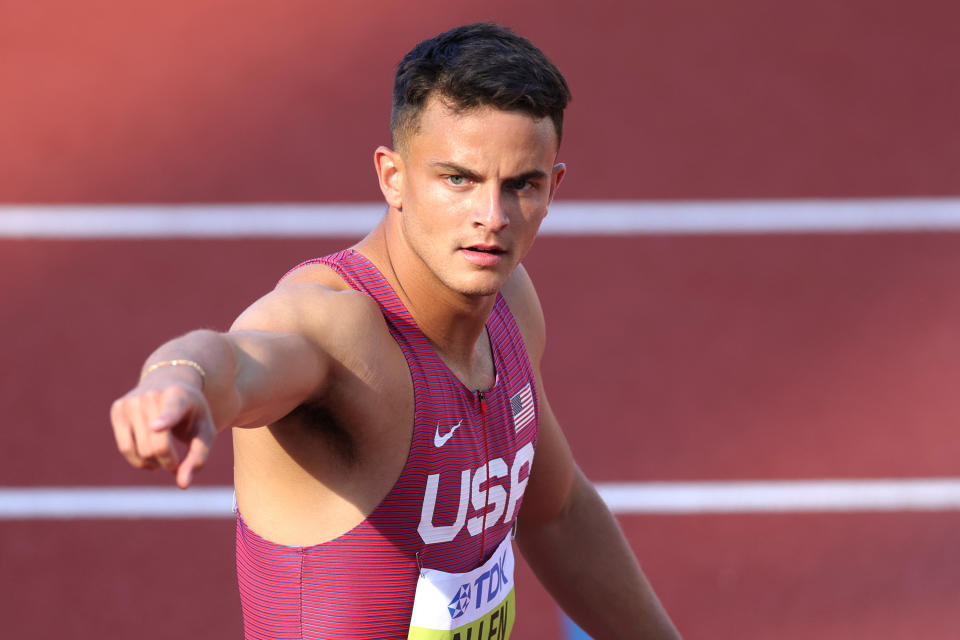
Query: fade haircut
x=472, y=66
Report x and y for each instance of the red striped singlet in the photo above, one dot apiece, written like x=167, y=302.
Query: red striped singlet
x=362, y=583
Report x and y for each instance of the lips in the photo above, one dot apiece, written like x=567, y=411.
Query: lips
x=487, y=248
x=484, y=255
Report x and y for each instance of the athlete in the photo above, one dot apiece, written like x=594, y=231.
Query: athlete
x=391, y=430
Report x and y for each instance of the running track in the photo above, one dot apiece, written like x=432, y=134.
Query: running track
x=708, y=357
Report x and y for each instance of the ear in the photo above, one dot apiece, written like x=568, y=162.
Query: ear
x=556, y=177
x=389, y=166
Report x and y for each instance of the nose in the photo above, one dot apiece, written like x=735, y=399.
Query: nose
x=491, y=212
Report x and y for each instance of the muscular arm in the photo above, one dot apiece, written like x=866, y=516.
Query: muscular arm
x=567, y=534
x=269, y=363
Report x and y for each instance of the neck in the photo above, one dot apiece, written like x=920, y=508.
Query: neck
x=453, y=322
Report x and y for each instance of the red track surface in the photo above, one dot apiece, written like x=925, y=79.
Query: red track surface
x=209, y=100
x=707, y=357
x=736, y=357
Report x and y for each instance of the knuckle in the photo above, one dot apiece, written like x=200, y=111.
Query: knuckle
x=175, y=396
x=154, y=397
x=167, y=392
x=118, y=409
x=131, y=405
x=144, y=450
x=164, y=452
x=176, y=391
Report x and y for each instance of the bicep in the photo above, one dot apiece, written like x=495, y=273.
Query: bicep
x=275, y=373
x=279, y=349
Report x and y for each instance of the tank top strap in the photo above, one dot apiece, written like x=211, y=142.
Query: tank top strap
x=361, y=275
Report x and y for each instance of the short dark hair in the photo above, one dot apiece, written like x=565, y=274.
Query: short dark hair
x=477, y=65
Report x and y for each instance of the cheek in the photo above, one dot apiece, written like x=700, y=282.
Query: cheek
x=445, y=210
x=429, y=196
x=532, y=215
x=429, y=221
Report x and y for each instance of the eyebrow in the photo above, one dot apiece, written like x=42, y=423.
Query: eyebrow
x=535, y=174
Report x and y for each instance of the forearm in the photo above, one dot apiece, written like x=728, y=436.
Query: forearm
x=584, y=561
x=252, y=378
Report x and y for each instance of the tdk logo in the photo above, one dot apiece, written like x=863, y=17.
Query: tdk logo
x=458, y=606
x=496, y=579
x=487, y=586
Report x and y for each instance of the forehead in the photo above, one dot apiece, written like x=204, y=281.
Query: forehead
x=444, y=129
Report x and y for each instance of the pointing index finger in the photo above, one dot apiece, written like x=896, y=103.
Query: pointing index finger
x=194, y=460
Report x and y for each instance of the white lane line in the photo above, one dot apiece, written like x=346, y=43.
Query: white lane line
x=187, y=221
x=914, y=494
x=114, y=502
x=566, y=218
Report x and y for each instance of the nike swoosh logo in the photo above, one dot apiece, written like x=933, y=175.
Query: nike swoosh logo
x=440, y=440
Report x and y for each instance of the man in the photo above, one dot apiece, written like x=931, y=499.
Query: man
x=399, y=382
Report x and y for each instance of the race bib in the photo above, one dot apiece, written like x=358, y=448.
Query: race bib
x=479, y=604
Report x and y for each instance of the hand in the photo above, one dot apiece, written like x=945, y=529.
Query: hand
x=148, y=420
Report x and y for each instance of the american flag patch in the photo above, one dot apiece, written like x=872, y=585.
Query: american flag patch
x=521, y=405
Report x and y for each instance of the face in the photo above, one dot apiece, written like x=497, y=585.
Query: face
x=470, y=190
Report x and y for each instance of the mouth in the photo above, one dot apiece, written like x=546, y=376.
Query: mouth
x=486, y=248
x=484, y=255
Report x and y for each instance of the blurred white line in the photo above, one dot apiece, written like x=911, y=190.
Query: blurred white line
x=927, y=494
x=114, y=502
x=600, y=217
x=920, y=494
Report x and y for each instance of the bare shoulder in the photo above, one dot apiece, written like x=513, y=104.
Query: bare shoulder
x=313, y=273
x=314, y=302
x=524, y=303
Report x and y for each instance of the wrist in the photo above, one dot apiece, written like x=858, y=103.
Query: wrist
x=179, y=363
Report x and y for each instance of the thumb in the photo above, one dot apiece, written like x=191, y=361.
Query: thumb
x=173, y=409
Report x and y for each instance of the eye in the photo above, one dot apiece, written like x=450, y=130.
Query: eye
x=457, y=181
x=520, y=184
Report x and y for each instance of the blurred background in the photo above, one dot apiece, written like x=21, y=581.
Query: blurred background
x=756, y=283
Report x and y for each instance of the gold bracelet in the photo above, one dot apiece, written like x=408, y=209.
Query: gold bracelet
x=176, y=363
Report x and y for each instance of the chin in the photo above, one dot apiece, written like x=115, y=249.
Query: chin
x=480, y=292
x=477, y=290
x=478, y=286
